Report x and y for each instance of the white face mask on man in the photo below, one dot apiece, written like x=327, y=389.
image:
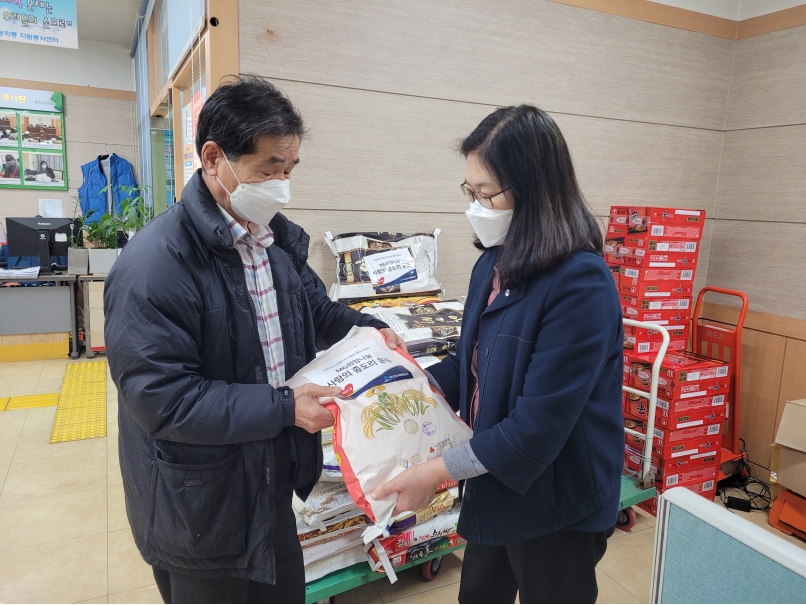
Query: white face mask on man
x=258, y=202
x=491, y=225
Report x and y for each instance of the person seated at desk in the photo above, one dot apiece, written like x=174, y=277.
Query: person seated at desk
x=11, y=168
x=8, y=134
x=45, y=172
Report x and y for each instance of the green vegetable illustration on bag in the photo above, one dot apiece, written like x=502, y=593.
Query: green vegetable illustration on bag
x=390, y=410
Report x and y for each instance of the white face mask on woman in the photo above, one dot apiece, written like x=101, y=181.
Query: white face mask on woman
x=490, y=225
x=258, y=202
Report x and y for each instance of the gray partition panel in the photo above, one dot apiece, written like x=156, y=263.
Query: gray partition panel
x=35, y=310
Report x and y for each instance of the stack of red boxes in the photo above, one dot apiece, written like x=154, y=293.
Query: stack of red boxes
x=653, y=253
x=688, y=421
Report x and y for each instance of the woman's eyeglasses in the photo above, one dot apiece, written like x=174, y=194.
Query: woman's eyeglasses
x=482, y=198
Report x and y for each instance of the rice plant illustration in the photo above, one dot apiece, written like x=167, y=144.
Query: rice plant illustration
x=392, y=409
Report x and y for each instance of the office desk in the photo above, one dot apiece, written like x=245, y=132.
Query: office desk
x=32, y=310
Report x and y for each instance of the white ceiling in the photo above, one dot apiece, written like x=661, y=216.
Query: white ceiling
x=110, y=21
x=737, y=10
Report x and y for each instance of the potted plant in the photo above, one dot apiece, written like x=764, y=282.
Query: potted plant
x=77, y=256
x=135, y=213
x=112, y=231
x=103, y=236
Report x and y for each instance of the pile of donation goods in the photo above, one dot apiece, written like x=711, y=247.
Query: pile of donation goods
x=387, y=417
x=653, y=254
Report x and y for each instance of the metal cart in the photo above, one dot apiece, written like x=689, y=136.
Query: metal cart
x=724, y=342
x=636, y=488
x=326, y=589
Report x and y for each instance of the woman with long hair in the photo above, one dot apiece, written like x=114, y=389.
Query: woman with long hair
x=537, y=375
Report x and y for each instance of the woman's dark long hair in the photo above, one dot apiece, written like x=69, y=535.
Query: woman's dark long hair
x=526, y=152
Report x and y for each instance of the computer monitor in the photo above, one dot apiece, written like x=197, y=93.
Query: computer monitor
x=40, y=237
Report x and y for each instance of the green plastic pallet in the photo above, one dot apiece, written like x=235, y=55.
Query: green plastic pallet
x=358, y=575
x=632, y=494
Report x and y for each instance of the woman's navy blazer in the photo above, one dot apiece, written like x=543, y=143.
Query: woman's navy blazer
x=550, y=427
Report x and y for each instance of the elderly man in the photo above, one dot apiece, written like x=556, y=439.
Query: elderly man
x=209, y=310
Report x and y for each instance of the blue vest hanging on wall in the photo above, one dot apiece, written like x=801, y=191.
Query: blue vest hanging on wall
x=90, y=196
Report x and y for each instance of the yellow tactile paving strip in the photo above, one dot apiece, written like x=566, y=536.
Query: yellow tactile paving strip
x=3, y=403
x=32, y=401
x=81, y=413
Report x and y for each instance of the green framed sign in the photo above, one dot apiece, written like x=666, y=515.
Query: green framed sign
x=32, y=140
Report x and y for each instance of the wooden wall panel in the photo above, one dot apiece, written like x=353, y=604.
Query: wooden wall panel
x=98, y=120
x=22, y=203
x=456, y=252
x=562, y=58
x=368, y=150
x=642, y=164
x=762, y=364
x=399, y=151
x=726, y=312
x=762, y=176
x=701, y=277
x=766, y=261
x=768, y=81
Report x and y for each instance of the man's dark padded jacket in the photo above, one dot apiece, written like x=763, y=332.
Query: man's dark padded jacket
x=201, y=433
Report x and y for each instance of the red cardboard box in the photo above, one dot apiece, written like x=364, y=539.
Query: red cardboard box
x=416, y=552
x=670, y=223
x=627, y=215
x=664, y=318
x=641, y=340
x=662, y=467
x=675, y=216
x=667, y=436
x=651, y=505
x=640, y=244
x=644, y=334
x=681, y=369
x=672, y=289
x=632, y=304
x=693, y=390
x=675, y=450
x=653, y=346
x=687, y=367
x=640, y=376
x=659, y=260
x=631, y=276
x=690, y=476
x=638, y=407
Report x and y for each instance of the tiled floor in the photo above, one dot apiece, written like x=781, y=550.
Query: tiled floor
x=64, y=536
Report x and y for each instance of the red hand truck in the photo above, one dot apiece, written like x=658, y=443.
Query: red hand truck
x=724, y=343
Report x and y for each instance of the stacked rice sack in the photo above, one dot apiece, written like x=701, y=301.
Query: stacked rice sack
x=374, y=264
x=427, y=329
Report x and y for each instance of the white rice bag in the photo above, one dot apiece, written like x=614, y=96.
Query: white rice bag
x=409, y=264
x=429, y=329
x=387, y=418
x=327, y=502
x=336, y=561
